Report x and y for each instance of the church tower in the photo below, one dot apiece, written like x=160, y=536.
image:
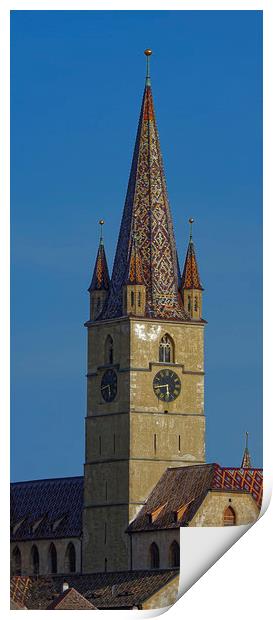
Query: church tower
x=145, y=377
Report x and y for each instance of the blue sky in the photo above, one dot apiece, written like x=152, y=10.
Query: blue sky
x=77, y=79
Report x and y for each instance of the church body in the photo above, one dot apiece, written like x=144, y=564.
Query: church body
x=145, y=471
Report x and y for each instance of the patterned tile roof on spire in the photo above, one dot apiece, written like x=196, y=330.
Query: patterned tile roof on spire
x=147, y=213
x=135, y=274
x=190, y=276
x=246, y=462
x=100, y=280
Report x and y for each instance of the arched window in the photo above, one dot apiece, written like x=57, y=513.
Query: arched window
x=109, y=350
x=174, y=555
x=16, y=562
x=229, y=516
x=70, y=559
x=139, y=299
x=154, y=556
x=195, y=304
x=166, y=349
x=132, y=298
x=35, y=560
x=52, y=559
x=189, y=304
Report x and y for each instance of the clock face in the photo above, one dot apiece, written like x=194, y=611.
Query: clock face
x=167, y=385
x=108, y=385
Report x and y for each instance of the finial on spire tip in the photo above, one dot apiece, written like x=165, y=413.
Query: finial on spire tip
x=148, y=53
x=101, y=223
x=191, y=220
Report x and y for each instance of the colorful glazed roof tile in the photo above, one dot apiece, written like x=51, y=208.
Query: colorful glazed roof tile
x=46, y=508
x=190, y=277
x=104, y=590
x=147, y=214
x=135, y=275
x=100, y=280
x=181, y=491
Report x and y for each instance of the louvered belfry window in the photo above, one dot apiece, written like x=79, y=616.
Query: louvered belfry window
x=166, y=349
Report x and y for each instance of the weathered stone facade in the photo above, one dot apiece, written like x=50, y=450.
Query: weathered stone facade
x=133, y=439
x=25, y=547
x=211, y=512
x=141, y=544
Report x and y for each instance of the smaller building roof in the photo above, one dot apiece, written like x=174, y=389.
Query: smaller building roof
x=181, y=490
x=71, y=599
x=117, y=590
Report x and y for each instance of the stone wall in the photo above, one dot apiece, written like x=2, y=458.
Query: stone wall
x=141, y=542
x=165, y=597
x=211, y=512
x=43, y=547
x=131, y=440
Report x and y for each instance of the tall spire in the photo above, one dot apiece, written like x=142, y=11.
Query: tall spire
x=246, y=462
x=190, y=277
x=147, y=213
x=100, y=280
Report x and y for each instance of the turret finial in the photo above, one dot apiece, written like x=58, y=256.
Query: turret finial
x=246, y=462
x=148, y=53
x=191, y=220
x=101, y=223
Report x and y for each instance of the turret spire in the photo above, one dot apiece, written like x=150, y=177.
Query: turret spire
x=147, y=214
x=100, y=283
x=191, y=287
x=100, y=280
x=190, y=277
x=246, y=462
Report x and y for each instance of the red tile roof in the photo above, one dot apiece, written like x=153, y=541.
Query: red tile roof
x=71, y=599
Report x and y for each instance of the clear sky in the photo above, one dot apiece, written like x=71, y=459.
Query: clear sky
x=77, y=79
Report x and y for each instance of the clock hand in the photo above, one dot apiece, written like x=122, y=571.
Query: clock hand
x=161, y=386
x=105, y=387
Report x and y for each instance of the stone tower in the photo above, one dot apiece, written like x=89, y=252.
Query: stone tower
x=145, y=378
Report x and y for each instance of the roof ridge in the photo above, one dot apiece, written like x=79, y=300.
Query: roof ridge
x=46, y=480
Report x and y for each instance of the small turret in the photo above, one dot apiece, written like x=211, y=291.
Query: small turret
x=134, y=290
x=99, y=287
x=191, y=287
x=246, y=462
